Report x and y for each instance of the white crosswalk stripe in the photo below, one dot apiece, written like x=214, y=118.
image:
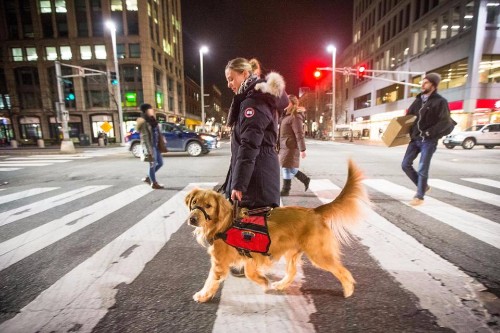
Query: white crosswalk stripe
x=83, y=298
x=9, y=169
x=41, y=206
x=84, y=295
x=416, y=267
x=476, y=226
x=25, y=194
x=466, y=191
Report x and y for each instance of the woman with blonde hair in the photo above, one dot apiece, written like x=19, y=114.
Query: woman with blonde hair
x=292, y=145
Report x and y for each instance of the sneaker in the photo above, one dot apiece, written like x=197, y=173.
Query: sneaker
x=237, y=271
x=416, y=202
x=146, y=180
x=157, y=186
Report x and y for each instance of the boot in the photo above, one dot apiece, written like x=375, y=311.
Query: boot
x=285, y=191
x=157, y=186
x=303, y=179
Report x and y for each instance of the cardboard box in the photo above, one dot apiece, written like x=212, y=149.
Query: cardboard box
x=397, y=132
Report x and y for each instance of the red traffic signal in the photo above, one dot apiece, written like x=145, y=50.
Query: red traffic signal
x=317, y=74
x=361, y=71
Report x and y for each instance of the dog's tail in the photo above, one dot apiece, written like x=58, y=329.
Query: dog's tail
x=347, y=208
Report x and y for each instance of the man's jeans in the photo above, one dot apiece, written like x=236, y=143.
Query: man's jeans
x=156, y=165
x=419, y=178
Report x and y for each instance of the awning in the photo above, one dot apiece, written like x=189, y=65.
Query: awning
x=192, y=122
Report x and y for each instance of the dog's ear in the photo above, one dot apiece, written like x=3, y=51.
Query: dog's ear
x=190, y=196
x=223, y=205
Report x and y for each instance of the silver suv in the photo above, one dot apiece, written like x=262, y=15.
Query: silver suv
x=485, y=135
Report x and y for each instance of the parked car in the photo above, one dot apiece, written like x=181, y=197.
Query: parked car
x=179, y=138
x=485, y=135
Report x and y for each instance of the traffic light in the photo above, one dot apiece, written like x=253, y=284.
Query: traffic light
x=112, y=78
x=361, y=72
x=69, y=91
x=317, y=74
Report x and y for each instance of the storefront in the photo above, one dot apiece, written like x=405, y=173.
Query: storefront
x=129, y=119
x=75, y=128
x=192, y=123
x=6, y=131
x=30, y=129
x=487, y=111
x=97, y=121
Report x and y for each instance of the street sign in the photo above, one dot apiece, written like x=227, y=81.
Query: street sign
x=106, y=127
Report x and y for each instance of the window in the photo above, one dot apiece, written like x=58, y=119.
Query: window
x=434, y=33
x=116, y=5
x=120, y=51
x=100, y=51
x=159, y=100
x=455, y=21
x=362, y=102
x=66, y=53
x=134, y=50
x=31, y=54
x=61, y=6
x=81, y=13
x=130, y=98
x=493, y=14
x=452, y=75
x=96, y=15
x=423, y=39
x=489, y=69
x=132, y=5
x=45, y=6
x=17, y=54
x=469, y=15
x=85, y=52
x=51, y=53
x=158, y=78
x=390, y=94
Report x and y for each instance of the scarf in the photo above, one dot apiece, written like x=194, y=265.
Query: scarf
x=151, y=121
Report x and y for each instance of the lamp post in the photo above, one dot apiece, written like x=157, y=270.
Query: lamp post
x=112, y=28
x=203, y=50
x=333, y=51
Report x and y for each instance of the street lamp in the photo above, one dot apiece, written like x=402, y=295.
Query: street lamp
x=112, y=28
x=333, y=51
x=203, y=50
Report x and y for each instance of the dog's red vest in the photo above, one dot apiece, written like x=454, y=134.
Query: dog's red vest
x=248, y=234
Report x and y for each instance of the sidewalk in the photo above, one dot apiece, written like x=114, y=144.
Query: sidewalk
x=52, y=150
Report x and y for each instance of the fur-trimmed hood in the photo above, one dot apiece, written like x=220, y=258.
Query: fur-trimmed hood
x=274, y=84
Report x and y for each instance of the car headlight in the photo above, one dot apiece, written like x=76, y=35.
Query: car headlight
x=207, y=137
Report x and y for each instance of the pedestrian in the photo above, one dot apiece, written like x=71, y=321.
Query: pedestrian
x=292, y=145
x=432, y=122
x=152, y=142
x=254, y=173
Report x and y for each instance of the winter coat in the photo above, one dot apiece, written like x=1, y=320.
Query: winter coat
x=433, y=117
x=292, y=140
x=255, y=169
x=146, y=130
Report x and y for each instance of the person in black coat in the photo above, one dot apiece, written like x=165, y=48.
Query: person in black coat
x=433, y=120
x=254, y=174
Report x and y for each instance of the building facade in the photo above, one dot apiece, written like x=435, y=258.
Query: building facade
x=459, y=39
x=36, y=33
x=193, y=103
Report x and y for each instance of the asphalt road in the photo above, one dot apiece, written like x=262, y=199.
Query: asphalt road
x=86, y=247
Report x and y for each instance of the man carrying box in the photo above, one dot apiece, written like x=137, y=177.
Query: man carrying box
x=433, y=122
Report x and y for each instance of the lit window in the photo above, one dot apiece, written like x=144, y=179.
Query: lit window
x=100, y=52
x=17, y=54
x=45, y=6
x=85, y=52
x=132, y=5
x=116, y=5
x=31, y=54
x=66, y=53
x=61, y=6
x=51, y=53
x=130, y=98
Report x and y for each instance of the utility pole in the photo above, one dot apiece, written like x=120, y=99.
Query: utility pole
x=67, y=145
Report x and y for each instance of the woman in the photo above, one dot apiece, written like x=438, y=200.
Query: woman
x=292, y=145
x=152, y=142
x=253, y=177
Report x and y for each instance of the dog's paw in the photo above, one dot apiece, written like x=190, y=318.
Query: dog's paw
x=201, y=297
x=278, y=285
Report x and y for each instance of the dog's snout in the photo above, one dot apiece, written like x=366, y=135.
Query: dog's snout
x=193, y=220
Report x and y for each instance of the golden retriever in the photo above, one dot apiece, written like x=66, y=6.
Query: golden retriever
x=317, y=232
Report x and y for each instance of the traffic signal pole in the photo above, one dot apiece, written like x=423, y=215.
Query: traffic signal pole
x=67, y=145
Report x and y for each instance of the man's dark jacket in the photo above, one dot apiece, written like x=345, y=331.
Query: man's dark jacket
x=255, y=169
x=433, y=117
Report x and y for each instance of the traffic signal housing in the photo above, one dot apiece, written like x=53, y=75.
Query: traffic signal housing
x=361, y=72
x=69, y=91
x=112, y=78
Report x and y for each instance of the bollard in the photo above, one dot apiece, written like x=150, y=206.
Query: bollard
x=100, y=142
x=13, y=143
x=40, y=143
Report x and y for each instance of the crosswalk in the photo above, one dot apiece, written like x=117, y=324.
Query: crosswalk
x=82, y=297
x=8, y=164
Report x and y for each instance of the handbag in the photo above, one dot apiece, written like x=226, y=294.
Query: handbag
x=147, y=158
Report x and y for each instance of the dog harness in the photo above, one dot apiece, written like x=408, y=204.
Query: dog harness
x=249, y=233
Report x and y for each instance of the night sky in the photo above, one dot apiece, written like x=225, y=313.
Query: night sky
x=288, y=36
